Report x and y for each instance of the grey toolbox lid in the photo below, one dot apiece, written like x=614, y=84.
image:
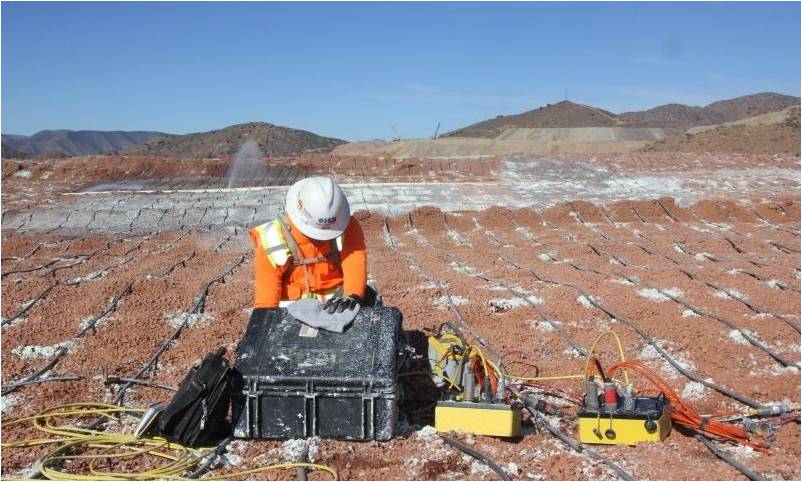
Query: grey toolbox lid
x=277, y=349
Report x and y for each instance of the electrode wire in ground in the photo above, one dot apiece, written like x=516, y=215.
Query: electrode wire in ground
x=478, y=456
x=197, y=308
x=36, y=377
x=748, y=336
x=630, y=323
x=473, y=272
x=646, y=337
x=702, y=312
x=441, y=286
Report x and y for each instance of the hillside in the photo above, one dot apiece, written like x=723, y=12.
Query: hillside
x=272, y=141
x=568, y=114
x=9, y=152
x=773, y=133
x=749, y=106
x=75, y=143
x=672, y=116
x=683, y=116
x=561, y=114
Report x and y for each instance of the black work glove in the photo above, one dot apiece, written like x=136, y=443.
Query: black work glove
x=337, y=304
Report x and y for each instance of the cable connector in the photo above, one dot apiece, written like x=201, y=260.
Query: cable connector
x=205, y=462
x=541, y=406
x=769, y=410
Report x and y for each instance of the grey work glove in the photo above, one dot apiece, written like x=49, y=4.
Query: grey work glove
x=337, y=304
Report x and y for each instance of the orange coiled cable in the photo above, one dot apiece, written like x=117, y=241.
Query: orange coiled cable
x=683, y=413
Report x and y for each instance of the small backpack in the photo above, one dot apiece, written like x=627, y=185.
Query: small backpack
x=197, y=414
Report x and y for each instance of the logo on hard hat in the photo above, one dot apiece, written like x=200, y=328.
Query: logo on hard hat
x=327, y=221
x=307, y=217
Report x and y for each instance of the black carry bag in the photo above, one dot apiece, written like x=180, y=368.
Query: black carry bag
x=197, y=414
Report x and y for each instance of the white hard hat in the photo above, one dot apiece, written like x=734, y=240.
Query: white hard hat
x=318, y=207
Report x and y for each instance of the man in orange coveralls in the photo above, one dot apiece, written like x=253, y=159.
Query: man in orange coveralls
x=317, y=250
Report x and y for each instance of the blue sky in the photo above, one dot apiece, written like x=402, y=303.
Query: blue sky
x=355, y=70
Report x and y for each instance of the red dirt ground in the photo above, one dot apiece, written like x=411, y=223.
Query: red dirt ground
x=717, y=241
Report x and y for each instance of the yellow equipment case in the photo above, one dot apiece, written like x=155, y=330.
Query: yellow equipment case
x=648, y=421
x=481, y=418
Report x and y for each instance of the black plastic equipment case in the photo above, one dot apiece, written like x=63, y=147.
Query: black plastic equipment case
x=299, y=382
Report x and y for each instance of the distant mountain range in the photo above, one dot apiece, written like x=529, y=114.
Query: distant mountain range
x=275, y=140
x=683, y=116
x=9, y=152
x=62, y=143
x=272, y=140
x=670, y=116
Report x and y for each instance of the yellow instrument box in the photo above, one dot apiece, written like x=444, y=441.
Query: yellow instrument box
x=480, y=418
x=649, y=421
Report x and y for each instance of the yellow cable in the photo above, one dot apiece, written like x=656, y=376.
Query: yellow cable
x=593, y=349
x=100, y=409
x=549, y=378
x=534, y=379
x=447, y=355
x=484, y=360
x=70, y=441
x=582, y=375
x=285, y=465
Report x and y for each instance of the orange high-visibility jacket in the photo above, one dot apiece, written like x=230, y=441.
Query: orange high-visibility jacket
x=276, y=278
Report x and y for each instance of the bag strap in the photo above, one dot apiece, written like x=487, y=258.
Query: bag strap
x=212, y=363
x=189, y=391
x=289, y=239
x=295, y=251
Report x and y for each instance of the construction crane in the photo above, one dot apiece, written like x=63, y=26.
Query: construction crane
x=397, y=137
x=436, y=131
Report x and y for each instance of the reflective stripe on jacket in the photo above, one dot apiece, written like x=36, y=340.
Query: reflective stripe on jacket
x=269, y=237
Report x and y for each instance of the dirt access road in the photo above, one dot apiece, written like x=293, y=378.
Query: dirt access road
x=724, y=240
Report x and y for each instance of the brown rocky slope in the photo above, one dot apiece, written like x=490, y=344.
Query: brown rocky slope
x=742, y=137
x=272, y=140
x=685, y=116
x=670, y=116
x=561, y=114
